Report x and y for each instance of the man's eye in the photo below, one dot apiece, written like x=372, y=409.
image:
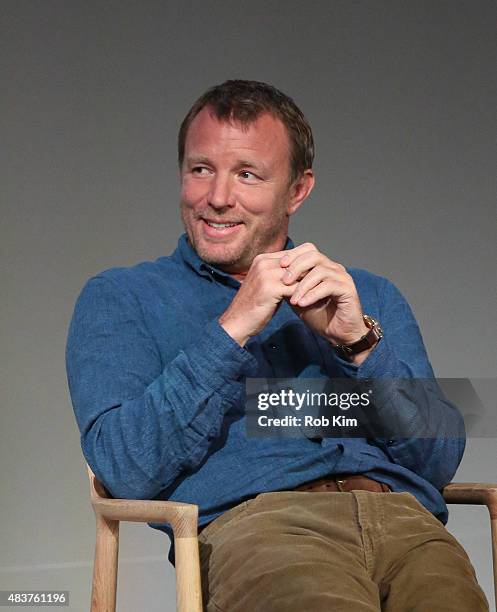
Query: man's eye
x=200, y=170
x=248, y=175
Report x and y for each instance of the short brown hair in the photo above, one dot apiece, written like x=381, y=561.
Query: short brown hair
x=245, y=101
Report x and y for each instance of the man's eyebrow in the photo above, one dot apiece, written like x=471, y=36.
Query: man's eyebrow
x=243, y=163
x=197, y=159
x=240, y=163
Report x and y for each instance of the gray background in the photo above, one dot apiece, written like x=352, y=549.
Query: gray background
x=401, y=96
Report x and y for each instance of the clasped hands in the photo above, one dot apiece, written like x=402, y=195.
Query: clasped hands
x=320, y=291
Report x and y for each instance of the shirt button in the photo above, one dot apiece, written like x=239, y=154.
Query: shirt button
x=274, y=347
x=390, y=442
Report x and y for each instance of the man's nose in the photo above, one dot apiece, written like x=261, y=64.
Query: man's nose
x=220, y=194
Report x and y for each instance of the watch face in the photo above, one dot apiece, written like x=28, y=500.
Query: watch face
x=368, y=320
x=372, y=323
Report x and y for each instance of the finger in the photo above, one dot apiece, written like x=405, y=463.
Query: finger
x=263, y=256
x=272, y=284
x=291, y=254
x=266, y=261
x=306, y=261
x=314, y=277
x=303, y=264
x=325, y=289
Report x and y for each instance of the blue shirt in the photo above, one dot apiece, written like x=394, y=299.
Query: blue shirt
x=158, y=388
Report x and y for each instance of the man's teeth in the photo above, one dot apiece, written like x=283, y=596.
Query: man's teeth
x=221, y=225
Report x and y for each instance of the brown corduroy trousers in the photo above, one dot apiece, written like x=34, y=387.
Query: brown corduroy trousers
x=294, y=551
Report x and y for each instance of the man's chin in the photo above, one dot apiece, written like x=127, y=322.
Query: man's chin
x=222, y=258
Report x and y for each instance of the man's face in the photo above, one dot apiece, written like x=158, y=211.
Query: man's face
x=235, y=191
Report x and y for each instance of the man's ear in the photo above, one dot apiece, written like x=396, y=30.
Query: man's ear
x=299, y=190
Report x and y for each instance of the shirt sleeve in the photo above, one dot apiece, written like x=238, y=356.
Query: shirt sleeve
x=401, y=356
x=144, y=423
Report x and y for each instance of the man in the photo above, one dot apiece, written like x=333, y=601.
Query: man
x=158, y=355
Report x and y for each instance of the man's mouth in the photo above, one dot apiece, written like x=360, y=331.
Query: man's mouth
x=222, y=225
x=215, y=229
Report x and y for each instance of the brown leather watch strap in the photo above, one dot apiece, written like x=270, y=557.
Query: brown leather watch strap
x=372, y=337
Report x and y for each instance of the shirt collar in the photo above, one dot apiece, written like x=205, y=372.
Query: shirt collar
x=187, y=253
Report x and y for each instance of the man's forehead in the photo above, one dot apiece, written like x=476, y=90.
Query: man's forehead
x=264, y=133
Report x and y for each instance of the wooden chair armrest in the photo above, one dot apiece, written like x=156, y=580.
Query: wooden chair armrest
x=182, y=517
x=472, y=493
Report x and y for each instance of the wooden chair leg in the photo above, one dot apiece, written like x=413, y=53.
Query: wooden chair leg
x=188, y=588
x=493, y=523
x=103, y=595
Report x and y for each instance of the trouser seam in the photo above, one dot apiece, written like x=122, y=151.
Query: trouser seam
x=381, y=502
x=365, y=530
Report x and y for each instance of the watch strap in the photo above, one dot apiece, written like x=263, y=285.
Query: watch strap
x=370, y=339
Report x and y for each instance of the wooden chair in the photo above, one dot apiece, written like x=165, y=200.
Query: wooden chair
x=183, y=519
x=483, y=494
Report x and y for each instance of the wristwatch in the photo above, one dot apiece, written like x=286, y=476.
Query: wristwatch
x=372, y=337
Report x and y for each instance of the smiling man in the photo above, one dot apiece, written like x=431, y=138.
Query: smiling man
x=237, y=195
x=157, y=359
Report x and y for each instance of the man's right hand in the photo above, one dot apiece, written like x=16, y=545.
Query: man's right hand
x=257, y=299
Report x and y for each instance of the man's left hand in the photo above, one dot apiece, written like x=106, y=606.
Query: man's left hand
x=325, y=296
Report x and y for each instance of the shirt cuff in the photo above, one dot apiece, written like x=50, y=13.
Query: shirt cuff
x=380, y=363
x=220, y=359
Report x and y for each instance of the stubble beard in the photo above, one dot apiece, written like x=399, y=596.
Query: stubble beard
x=240, y=259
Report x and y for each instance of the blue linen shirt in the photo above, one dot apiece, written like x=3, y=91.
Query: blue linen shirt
x=158, y=389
